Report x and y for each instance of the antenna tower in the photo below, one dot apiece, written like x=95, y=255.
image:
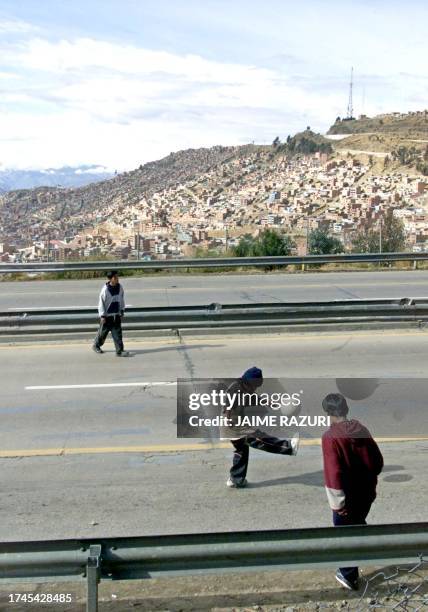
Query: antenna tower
x=350, y=111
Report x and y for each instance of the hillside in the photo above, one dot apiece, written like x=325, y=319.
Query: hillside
x=193, y=198
x=64, y=212
x=306, y=143
x=127, y=188
x=61, y=211
x=386, y=152
x=414, y=124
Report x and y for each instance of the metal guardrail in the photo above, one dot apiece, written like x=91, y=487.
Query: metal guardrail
x=220, y=315
x=220, y=262
x=152, y=556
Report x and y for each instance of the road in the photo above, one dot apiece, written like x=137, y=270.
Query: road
x=167, y=290
x=79, y=460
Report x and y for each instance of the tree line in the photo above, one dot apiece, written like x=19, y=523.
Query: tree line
x=389, y=237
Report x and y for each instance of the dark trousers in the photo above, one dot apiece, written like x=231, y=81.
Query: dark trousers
x=113, y=325
x=260, y=441
x=356, y=517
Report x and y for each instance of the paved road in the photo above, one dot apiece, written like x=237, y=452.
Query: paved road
x=108, y=455
x=195, y=289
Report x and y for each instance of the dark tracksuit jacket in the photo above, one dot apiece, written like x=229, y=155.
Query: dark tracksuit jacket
x=243, y=437
x=352, y=463
x=234, y=432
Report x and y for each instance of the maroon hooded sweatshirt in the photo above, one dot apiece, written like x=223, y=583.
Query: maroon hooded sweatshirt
x=352, y=463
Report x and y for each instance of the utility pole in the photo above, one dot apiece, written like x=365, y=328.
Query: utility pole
x=307, y=241
x=138, y=246
x=307, y=235
x=49, y=244
x=226, y=238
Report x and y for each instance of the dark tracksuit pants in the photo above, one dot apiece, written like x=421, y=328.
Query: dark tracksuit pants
x=356, y=517
x=260, y=441
x=111, y=324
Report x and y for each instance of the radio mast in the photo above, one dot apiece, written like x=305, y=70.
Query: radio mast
x=350, y=111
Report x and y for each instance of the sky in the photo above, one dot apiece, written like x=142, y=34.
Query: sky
x=122, y=82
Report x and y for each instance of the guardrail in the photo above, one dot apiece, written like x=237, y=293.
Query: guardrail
x=220, y=262
x=220, y=316
x=152, y=556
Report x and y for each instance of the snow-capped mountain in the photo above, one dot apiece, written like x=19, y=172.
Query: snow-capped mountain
x=66, y=176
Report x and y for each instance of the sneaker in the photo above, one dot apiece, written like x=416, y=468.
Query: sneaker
x=352, y=585
x=122, y=354
x=294, y=442
x=236, y=484
x=97, y=349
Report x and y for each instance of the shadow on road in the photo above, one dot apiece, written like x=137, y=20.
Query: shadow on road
x=312, y=479
x=172, y=347
x=316, y=479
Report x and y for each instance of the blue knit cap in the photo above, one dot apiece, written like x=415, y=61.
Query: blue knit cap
x=252, y=373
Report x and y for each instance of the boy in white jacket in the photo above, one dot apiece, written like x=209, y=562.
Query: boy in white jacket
x=111, y=308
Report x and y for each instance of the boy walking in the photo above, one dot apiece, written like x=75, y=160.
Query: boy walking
x=352, y=463
x=111, y=308
x=242, y=438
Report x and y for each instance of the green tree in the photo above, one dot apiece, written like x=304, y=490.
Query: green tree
x=269, y=243
x=365, y=242
x=275, y=243
x=245, y=247
x=422, y=167
x=393, y=237
x=321, y=243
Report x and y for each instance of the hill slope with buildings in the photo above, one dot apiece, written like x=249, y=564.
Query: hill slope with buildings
x=208, y=198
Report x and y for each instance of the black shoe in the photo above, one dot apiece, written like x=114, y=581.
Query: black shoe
x=122, y=354
x=97, y=349
x=352, y=585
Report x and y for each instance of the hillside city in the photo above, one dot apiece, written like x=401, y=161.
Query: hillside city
x=206, y=199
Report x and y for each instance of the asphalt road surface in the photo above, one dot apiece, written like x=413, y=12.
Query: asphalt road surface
x=80, y=460
x=180, y=290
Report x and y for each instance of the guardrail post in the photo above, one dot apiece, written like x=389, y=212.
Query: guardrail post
x=415, y=264
x=93, y=568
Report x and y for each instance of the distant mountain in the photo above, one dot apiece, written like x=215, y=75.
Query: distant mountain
x=66, y=176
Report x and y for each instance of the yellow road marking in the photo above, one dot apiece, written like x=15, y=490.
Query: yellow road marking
x=158, y=448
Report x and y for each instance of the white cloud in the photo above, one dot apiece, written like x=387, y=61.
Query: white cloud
x=85, y=53
x=91, y=101
x=16, y=26
x=91, y=170
x=9, y=75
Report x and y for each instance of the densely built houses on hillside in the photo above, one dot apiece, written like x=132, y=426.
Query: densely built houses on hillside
x=213, y=209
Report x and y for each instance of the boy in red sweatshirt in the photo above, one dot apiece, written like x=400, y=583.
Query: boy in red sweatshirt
x=352, y=463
